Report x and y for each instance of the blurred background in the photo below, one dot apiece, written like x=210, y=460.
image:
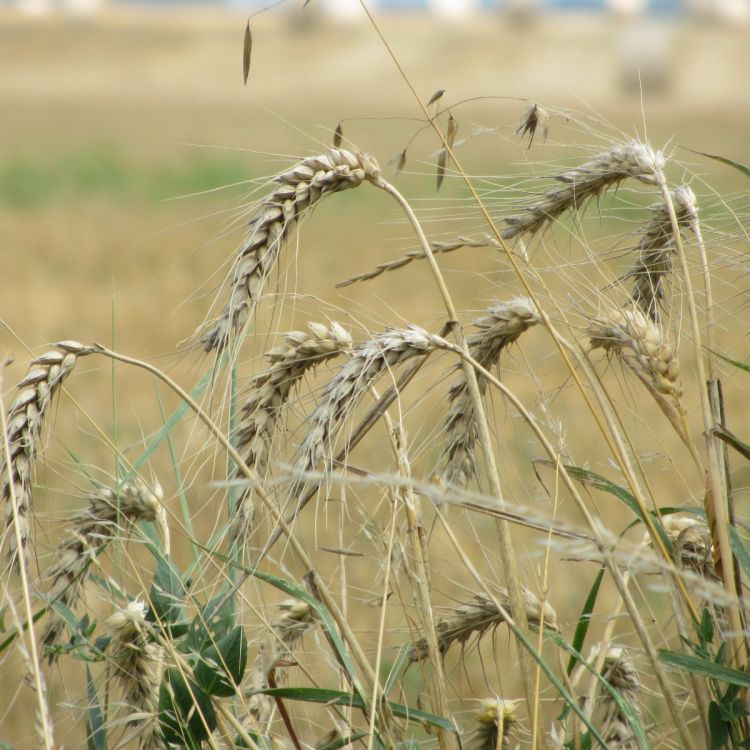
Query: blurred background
x=129, y=148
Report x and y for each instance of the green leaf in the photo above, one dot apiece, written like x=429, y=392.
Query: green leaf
x=723, y=159
x=340, y=742
x=338, y=698
x=707, y=668
x=96, y=736
x=717, y=727
x=740, y=551
x=732, y=440
x=221, y=667
x=741, y=365
x=584, y=620
x=186, y=714
x=211, y=624
x=167, y=597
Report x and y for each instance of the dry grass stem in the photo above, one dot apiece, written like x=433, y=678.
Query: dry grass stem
x=503, y=324
x=300, y=188
x=496, y=719
x=655, y=250
x=581, y=184
x=138, y=663
x=269, y=392
x=25, y=419
x=105, y=517
x=480, y=616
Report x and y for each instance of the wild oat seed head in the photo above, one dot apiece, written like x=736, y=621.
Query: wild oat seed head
x=691, y=539
x=299, y=189
x=25, y=419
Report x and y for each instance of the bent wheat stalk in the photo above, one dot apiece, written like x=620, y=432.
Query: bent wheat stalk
x=300, y=188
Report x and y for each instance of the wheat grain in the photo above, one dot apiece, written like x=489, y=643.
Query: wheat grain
x=91, y=530
x=300, y=188
x=581, y=184
x=24, y=426
x=503, y=324
x=481, y=615
x=269, y=391
x=137, y=662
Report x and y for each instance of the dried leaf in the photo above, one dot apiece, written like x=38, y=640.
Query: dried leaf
x=436, y=96
x=246, y=51
x=338, y=134
x=401, y=162
x=450, y=136
x=441, y=167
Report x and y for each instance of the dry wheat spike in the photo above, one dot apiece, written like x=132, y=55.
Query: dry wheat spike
x=502, y=325
x=299, y=189
x=655, y=249
x=581, y=184
x=91, y=529
x=137, y=663
x=496, y=719
x=24, y=425
x=269, y=392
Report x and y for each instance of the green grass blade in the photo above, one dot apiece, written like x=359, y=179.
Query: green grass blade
x=723, y=159
x=579, y=637
x=704, y=667
x=97, y=735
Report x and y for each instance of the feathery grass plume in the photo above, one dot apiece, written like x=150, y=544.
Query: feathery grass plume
x=300, y=188
x=369, y=360
x=103, y=518
x=480, y=616
x=503, y=324
x=437, y=247
x=269, y=391
x=138, y=663
x=618, y=671
x=496, y=718
x=655, y=250
x=24, y=424
x=296, y=619
x=638, y=342
x=581, y=184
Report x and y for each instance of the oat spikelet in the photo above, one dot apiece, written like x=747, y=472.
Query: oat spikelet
x=368, y=361
x=24, y=424
x=618, y=671
x=581, y=184
x=295, y=619
x=638, y=342
x=137, y=663
x=496, y=718
x=269, y=392
x=503, y=324
x=482, y=615
x=298, y=189
x=654, y=251
x=107, y=514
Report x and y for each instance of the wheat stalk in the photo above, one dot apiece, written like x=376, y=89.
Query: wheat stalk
x=138, y=663
x=655, y=249
x=299, y=189
x=269, y=392
x=503, y=324
x=479, y=616
x=581, y=184
x=24, y=426
x=91, y=530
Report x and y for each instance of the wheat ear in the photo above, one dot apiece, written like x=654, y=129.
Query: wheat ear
x=655, y=249
x=369, y=360
x=503, y=324
x=496, y=718
x=296, y=619
x=91, y=530
x=299, y=189
x=269, y=391
x=481, y=615
x=138, y=663
x=24, y=426
x=581, y=184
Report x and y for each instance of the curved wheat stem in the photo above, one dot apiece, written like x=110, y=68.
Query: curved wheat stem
x=581, y=184
x=300, y=188
x=503, y=324
x=91, y=529
x=269, y=392
x=24, y=426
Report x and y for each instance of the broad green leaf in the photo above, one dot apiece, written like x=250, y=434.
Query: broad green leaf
x=186, y=714
x=707, y=668
x=167, y=595
x=221, y=667
x=211, y=624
